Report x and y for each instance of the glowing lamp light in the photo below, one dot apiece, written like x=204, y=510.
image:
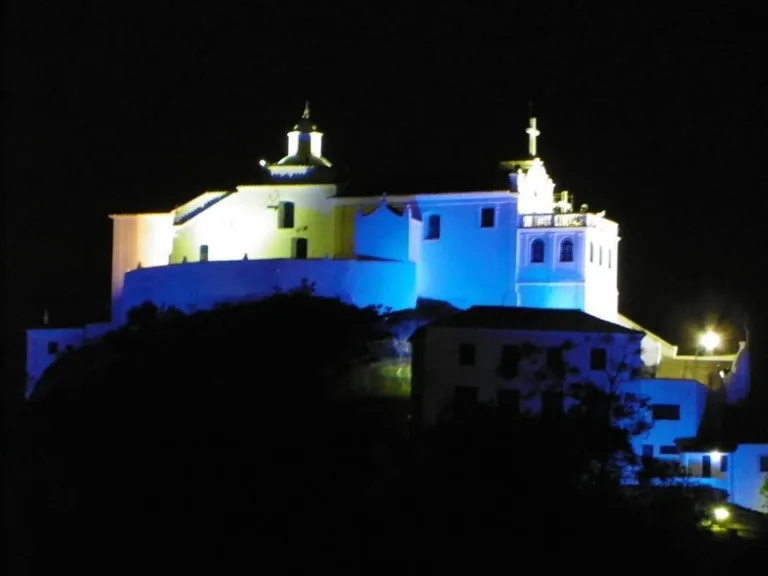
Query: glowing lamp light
x=262, y=162
x=709, y=340
x=721, y=513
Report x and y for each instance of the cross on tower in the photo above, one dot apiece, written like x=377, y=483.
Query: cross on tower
x=306, y=110
x=532, y=132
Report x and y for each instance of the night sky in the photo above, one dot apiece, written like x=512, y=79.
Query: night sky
x=658, y=117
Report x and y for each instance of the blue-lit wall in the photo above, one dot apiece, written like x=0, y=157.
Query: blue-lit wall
x=200, y=285
x=469, y=265
x=689, y=395
x=551, y=283
x=383, y=234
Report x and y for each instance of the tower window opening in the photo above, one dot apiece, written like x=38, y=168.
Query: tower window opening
x=433, y=227
x=600, y=256
x=610, y=258
x=566, y=251
x=591, y=252
x=285, y=215
x=537, y=251
x=487, y=218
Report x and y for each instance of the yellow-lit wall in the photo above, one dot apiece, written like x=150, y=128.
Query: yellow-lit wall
x=344, y=231
x=144, y=239
x=246, y=222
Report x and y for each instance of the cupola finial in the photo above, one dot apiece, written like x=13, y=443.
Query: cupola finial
x=306, y=109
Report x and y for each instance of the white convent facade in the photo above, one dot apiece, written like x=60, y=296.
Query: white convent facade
x=523, y=246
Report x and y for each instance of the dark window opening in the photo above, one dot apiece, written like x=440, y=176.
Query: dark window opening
x=551, y=403
x=706, y=466
x=566, y=251
x=555, y=362
x=508, y=401
x=763, y=463
x=510, y=361
x=488, y=218
x=53, y=347
x=666, y=411
x=600, y=256
x=647, y=450
x=591, y=252
x=300, y=248
x=433, y=227
x=467, y=354
x=724, y=463
x=598, y=359
x=537, y=251
x=610, y=259
x=668, y=450
x=285, y=215
x=204, y=253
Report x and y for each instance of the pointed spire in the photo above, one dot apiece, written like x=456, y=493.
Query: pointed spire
x=306, y=110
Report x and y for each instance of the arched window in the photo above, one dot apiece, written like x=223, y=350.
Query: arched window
x=610, y=259
x=537, y=251
x=591, y=252
x=566, y=250
x=600, y=255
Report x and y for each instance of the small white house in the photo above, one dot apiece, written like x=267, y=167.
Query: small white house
x=526, y=358
x=740, y=469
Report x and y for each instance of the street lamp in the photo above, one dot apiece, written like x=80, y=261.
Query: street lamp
x=709, y=341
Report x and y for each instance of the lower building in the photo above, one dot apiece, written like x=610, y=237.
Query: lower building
x=526, y=359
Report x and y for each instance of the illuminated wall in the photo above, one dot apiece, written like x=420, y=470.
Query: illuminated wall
x=44, y=346
x=437, y=349
x=251, y=222
x=386, y=233
x=550, y=282
x=197, y=286
x=588, y=282
x=745, y=477
x=600, y=271
x=690, y=396
x=467, y=264
x=737, y=382
x=138, y=239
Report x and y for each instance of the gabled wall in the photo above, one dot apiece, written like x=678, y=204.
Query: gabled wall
x=248, y=222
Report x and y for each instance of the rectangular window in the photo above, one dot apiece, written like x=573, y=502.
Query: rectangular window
x=551, y=403
x=665, y=411
x=467, y=354
x=706, y=466
x=669, y=450
x=555, y=362
x=598, y=359
x=724, y=463
x=647, y=450
x=285, y=215
x=488, y=218
x=300, y=248
x=763, y=463
x=510, y=361
x=204, y=253
x=53, y=348
x=508, y=401
x=433, y=227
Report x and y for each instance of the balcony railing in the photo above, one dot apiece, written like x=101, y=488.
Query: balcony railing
x=568, y=220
